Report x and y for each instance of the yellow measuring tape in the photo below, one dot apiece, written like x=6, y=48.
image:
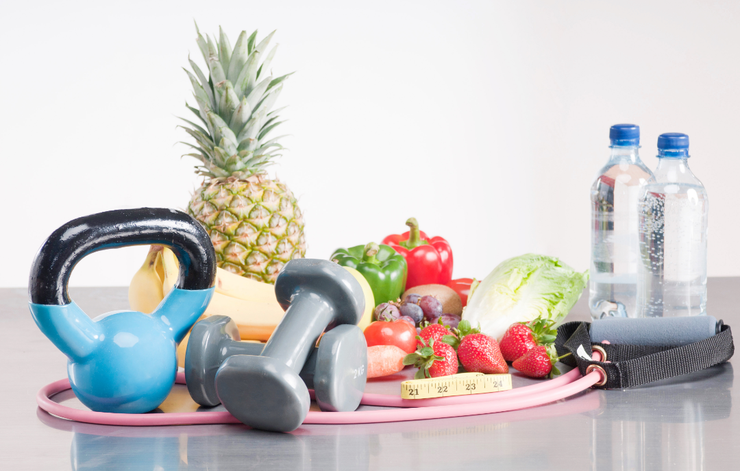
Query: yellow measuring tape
x=454, y=385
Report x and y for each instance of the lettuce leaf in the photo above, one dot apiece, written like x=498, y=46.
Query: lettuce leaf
x=524, y=288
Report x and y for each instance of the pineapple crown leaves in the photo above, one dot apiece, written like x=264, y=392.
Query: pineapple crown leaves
x=423, y=358
x=234, y=106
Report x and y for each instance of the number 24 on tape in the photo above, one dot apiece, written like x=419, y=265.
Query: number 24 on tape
x=454, y=385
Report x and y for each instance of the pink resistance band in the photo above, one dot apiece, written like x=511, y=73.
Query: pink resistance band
x=405, y=410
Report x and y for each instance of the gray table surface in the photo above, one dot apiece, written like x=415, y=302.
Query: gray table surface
x=684, y=423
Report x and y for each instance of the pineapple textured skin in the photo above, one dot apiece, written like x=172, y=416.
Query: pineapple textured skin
x=254, y=222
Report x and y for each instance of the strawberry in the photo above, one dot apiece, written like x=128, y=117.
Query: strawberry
x=519, y=338
x=432, y=331
x=463, y=328
x=433, y=359
x=537, y=362
x=480, y=353
x=517, y=341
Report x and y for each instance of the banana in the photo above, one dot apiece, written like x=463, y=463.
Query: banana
x=237, y=286
x=145, y=290
x=367, y=316
x=171, y=269
x=251, y=304
x=256, y=319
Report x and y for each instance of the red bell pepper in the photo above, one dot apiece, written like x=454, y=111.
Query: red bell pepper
x=429, y=259
x=462, y=288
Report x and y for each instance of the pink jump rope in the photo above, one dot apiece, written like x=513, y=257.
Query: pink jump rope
x=403, y=409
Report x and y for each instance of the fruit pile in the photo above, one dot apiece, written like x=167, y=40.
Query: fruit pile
x=414, y=309
x=442, y=352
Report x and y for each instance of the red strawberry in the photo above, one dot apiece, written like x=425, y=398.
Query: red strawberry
x=519, y=338
x=536, y=363
x=480, y=353
x=433, y=360
x=432, y=331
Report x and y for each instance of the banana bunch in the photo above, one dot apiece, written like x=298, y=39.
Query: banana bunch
x=251, y=304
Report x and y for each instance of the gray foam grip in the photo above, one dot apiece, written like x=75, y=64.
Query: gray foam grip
x=653, y=331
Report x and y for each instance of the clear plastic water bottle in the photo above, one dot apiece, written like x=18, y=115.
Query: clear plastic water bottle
x=614, y=226
x=672, y=279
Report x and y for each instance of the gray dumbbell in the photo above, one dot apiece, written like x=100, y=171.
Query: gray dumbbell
x=266, y=391
x=338, y=382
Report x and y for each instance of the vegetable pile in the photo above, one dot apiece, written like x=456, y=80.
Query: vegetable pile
x=427, y=317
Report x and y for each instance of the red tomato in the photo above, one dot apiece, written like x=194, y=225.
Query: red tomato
x=462, y=288
x=398, y=332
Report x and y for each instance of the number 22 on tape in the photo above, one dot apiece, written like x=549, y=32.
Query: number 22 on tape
x=454, y=385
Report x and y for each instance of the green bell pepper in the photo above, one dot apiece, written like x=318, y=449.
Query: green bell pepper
x=383, y=268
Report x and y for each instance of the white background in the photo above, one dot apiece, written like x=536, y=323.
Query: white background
x=485, y=120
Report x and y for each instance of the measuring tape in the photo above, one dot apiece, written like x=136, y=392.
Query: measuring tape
x=454, y=385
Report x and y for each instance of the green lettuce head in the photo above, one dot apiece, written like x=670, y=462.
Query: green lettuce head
x=524, y=288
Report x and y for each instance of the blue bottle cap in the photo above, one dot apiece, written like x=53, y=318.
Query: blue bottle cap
x=624, y=135
x=673, y=144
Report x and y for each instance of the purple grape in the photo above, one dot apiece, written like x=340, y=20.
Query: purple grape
x=451, y=320
x=413, y=311
x=412, y=298
x=418, y=331
x=386, y=312
x=408, y=319
x=431, y=306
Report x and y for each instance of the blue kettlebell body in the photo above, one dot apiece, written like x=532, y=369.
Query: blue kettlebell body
x=122, y=361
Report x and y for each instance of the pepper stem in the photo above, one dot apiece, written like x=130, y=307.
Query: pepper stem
x=414, y=239
x=371, y=250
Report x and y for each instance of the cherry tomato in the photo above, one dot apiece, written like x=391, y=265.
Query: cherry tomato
x=462, y=288
x=397, y=332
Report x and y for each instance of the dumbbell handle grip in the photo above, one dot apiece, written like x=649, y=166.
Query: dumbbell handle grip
x=294, y=338
x=229, y=347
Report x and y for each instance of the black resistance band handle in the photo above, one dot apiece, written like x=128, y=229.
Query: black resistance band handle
x=628, y=366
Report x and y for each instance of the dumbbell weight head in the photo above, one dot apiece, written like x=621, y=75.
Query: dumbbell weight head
x=265, y=391
x=211, y=341
x=338, y=381
x=337, y=369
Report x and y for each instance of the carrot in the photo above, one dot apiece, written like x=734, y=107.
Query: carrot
x=384, y=360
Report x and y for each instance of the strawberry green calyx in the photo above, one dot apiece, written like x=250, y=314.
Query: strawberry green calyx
x=433, y=359
x=423, y=358
x=543, y=331
x=463, y=329
x=554, y=358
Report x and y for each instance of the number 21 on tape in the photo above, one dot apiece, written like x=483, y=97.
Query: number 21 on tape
x=454, y=385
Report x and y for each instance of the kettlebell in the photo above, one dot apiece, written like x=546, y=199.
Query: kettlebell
x=123, y=361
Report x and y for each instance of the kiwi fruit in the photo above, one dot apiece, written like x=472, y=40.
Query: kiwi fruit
x=451, y=303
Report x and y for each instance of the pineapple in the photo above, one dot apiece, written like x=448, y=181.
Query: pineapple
x=254, y=222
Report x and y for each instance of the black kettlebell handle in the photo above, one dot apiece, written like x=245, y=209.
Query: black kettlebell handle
x=119, y=228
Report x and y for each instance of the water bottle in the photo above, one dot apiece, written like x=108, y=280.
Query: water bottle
x=672, y=279
x=614, y=226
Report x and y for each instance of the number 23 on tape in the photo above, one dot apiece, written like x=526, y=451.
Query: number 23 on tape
x=454, y=385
